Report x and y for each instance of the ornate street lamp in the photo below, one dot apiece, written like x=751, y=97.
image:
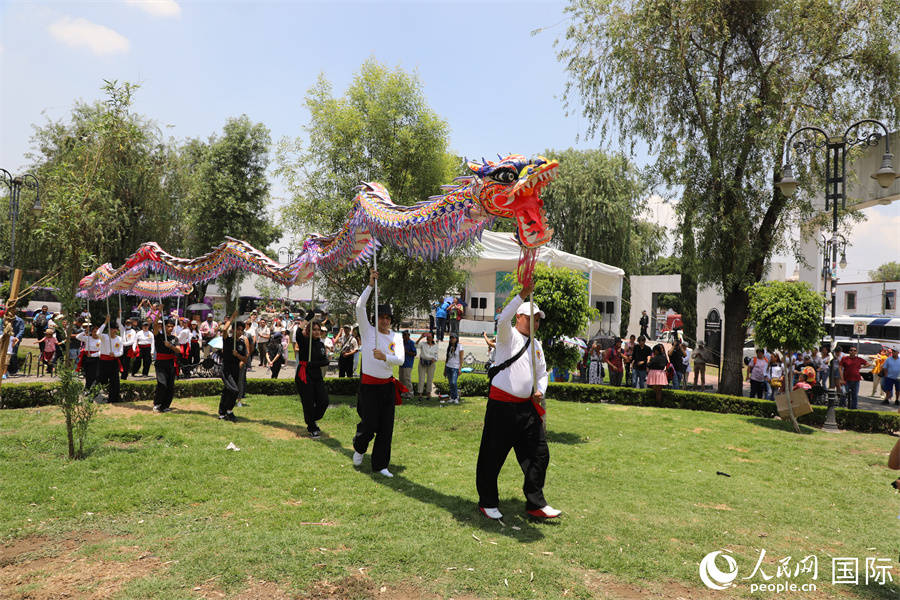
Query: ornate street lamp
x=836, y=148
x=15, y=188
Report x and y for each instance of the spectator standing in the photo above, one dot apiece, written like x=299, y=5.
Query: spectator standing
x=347, y=347
x=48, y=350
x=656, y=367
x=644, y=323
x=834, y=375
x=428, y=356
x=263, y=335
x=39, y=323
x=627, y=359
x=641, y=357
x=850, y=376
x=492, y=350
x=452, y=366
x=701, y=357
x=595, y=364
x=208, y=330
x=615, y=361
x=18, y=332
x=756, y=374
x=877, y=364
x=890, y=377
x=409, y=349
x=775, y=376
x=676, y=356
x=454, y=316
x=440, y=317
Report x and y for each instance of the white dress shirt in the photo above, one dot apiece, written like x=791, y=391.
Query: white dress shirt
x=517, y=378
x=389, y=343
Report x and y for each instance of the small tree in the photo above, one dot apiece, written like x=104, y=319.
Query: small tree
x=563, y=296
x=889, y=271
x=786, y=315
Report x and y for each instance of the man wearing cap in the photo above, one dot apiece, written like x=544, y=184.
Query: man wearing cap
x=514, y=415
x=380, y=350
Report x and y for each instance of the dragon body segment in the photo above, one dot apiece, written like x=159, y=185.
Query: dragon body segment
x=508, y=188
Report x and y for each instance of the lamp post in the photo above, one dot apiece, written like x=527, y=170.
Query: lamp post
x=15, y=184
x=836, y=148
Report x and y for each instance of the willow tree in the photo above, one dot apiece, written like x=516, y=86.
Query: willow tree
x=714, y=88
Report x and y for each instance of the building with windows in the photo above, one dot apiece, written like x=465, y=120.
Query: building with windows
x=868, y=298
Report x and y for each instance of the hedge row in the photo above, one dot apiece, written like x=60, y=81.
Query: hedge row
x=863, y=421
x=26, y=395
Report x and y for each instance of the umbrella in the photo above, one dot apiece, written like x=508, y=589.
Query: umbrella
x=573, y=341
x=199, y=306
x=216, y=342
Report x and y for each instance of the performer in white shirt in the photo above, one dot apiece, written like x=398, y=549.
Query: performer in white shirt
x=144, y=341
x=514, y=415
x=129, y=344
x=90, y=354
x=379, y=392
x=111, y=347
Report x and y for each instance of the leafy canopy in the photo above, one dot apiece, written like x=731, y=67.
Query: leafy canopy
x=786, y=315
x=889, y=271
x=383, y=130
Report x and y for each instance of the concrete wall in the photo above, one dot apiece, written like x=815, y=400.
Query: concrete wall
x=868, y=298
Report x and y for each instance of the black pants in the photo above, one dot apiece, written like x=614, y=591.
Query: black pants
x=276, y=368
x=126, y=365
x=628, y=374
x=229, y=390
x=144, y=359
x=165, y=383
x=194, y=354
x=615, y=377
x=90, y=367
x=440, y=323
x=345, y=366
x=757, y=389
x=314, y=398
x=242, y=382
x=508, y=426
x=375, y=408
x=12, y=366
x=108, y=375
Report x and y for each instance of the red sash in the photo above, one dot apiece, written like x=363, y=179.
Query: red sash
x=133, y=352
x=399, y=388
x=301, y=370
x=110, y=357
x=501, y=396
x=165, y=356
x=78, y=364
x=185, y=350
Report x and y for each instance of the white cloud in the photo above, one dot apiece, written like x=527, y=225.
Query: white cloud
x=77, y=32
x=158, y=8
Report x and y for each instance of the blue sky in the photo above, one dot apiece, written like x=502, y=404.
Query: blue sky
x=198, y=63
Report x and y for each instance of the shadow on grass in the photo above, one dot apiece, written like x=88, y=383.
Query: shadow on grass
x=464, y=510
x=564, y=437
x=782, y=425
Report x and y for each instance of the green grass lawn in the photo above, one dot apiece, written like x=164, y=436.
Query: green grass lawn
x=159, y=508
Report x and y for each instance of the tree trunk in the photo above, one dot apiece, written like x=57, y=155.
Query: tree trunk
x=734, y=332
x=69, y=435
x=688, y=278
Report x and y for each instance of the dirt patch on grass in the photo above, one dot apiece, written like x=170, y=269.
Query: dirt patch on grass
x=38, y=568
x=699, y=430
x=255, y=590
x=358, y=586
x=714, y=506
x=737, y=449
x=603, y=585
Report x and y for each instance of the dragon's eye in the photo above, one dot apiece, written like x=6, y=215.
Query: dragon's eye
x=504, y=175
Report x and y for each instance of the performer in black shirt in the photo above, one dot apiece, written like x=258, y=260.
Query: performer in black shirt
x=309, y=380
x=234, y=357
x=166, y=365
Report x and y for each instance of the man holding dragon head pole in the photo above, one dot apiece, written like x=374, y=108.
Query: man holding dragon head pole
x=514, y=416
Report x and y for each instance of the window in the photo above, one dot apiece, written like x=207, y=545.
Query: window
x=890, y=300
x=849, y=300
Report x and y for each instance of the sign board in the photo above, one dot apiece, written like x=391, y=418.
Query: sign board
x=859, y=327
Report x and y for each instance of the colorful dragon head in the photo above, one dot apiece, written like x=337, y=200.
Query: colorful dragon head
x=511, y=188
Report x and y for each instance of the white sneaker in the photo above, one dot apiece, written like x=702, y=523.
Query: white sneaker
x=386, y=473
x=491, y=513
x=548, y=512
x=357, y=458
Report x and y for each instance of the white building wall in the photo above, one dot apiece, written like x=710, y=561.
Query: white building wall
x=869, y=296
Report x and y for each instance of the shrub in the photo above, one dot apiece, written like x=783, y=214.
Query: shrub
x=26, y=395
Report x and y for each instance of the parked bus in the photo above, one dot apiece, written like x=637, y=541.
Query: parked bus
x=879, y=328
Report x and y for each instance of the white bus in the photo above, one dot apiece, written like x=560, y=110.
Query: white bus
x=878, y=328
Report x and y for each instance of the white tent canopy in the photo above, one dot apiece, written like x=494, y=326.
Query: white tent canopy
x=498, y=254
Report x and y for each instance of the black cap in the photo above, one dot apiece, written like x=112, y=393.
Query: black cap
x=385, y=309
